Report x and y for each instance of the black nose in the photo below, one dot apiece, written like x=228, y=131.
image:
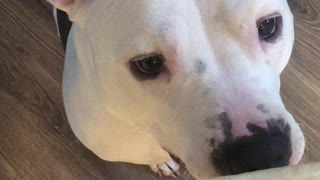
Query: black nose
x=263, y=150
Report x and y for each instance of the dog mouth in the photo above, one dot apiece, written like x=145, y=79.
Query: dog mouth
x=177, y=160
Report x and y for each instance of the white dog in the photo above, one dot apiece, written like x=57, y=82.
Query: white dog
x=196, y=78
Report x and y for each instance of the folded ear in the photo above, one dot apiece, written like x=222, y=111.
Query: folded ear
x=64, y=5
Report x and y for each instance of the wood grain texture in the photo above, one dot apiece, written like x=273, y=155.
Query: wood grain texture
x=301, y=79
x=35, y=139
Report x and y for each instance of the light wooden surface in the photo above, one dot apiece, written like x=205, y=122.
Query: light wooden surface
x=35, y=139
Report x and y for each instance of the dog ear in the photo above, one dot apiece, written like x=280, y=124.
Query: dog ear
x=64, y=5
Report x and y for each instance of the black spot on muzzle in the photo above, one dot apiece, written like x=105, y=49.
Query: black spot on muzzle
x=200, y=67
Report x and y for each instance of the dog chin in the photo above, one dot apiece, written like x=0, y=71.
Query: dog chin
x=201, y=171
x=202, y=175
x=196, y=170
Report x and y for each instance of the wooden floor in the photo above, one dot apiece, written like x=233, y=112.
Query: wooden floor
x=35, y=139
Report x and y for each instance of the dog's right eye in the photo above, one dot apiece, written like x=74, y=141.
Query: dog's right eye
x=270, y=28
x=147, y=67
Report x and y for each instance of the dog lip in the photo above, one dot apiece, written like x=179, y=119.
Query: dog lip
x=176, y=159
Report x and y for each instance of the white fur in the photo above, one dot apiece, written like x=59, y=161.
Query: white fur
x=122, y=119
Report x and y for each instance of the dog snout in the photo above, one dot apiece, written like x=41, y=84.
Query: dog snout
x=265, y=149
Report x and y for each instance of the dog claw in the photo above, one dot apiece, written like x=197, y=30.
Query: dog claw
x=170, y=168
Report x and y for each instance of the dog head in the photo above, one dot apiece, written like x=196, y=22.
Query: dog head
x=201, y=76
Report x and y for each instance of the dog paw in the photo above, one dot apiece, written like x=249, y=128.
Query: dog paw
x=169, y=168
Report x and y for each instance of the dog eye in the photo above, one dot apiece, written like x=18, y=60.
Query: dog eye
x=269, y=28
x=147, y=67
x=150, y=65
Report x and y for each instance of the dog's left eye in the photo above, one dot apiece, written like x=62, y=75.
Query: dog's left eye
x=150, y=65
x=269, y=28
x=147, y=67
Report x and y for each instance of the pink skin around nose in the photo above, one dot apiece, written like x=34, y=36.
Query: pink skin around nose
x=240, y=120
x=242, y=114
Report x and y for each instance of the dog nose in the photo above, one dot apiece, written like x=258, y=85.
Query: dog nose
x=260, y=151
